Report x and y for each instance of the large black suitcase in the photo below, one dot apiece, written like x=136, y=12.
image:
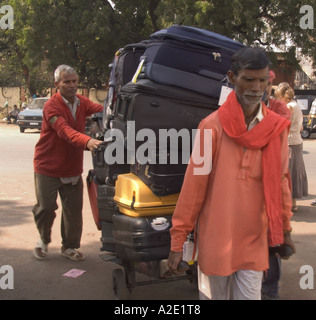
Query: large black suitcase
x=142, y=238
x=190, y=58
x=151, y=105
x=105, y=172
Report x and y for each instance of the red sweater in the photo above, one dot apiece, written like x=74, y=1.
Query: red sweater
x=59, y=151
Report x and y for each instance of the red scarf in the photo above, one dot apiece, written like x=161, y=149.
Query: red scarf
x=266, y=136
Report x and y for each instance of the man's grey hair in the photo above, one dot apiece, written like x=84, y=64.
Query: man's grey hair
x=63, y=68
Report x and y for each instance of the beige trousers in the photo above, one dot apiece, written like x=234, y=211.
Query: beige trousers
x=241, y=285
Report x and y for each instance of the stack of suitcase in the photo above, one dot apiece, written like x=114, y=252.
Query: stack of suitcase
x=179, y=83
x=101, y=180
x=176, y=85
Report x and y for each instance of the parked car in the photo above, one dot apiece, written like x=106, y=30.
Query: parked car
x=32, y=116
x=309, y=123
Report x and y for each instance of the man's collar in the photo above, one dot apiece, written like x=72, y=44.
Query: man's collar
x=76, y=101
x=259, y=116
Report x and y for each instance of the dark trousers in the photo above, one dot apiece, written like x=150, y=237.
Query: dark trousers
x=71, y=196
x=270, y=284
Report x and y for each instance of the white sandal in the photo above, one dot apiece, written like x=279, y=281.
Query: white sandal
x=72, y=254
x=40, y=251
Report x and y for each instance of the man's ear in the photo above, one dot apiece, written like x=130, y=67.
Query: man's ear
x=231, y=77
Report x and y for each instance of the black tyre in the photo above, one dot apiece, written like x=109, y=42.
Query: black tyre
x=119, y=285
x=305, y=133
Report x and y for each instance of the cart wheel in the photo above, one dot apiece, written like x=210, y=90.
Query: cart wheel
x=119, y=285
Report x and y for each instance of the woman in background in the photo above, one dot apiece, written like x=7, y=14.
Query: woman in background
x=285, y=93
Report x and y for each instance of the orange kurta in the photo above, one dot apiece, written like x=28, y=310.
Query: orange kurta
x=228, y=206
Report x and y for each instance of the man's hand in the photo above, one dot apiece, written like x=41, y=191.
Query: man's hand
x=93, y=144
x=288, y=241
x=174, y=260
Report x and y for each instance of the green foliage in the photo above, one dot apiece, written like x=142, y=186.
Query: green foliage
x=86, y=34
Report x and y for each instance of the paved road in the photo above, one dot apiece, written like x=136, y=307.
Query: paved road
x=35, y=279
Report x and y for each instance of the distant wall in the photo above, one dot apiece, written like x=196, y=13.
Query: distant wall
x=10, y=94
x=16, y=95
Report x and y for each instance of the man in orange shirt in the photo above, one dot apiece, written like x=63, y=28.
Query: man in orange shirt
x=244, y=205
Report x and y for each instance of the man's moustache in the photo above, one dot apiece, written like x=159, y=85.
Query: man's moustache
x=259, y=95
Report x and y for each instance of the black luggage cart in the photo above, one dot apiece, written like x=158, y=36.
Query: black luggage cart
x=124, y=278
x=136, y=244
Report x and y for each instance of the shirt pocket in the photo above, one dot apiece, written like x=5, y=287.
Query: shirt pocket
x=256, y=164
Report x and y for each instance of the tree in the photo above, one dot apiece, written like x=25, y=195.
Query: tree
x=86, y=34
x=268, y=23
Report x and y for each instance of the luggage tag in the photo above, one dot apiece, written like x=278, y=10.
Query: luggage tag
x=225, y=91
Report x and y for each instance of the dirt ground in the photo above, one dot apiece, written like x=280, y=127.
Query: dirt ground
x=45, y=280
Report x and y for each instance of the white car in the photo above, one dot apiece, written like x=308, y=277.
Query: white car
x=32, y=116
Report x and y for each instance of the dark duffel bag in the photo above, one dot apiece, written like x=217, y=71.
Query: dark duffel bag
x=123, y=68
x=190, y=58
x=142, y=238
x=127, y=62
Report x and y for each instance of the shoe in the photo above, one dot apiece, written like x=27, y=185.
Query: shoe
x=313, y=203
x=265, y=296
x=72, y=254
x=294, y=209
x=40, y=251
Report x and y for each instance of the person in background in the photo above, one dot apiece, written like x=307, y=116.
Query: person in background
x=58, y=163
x=271, y=278
x=275, y=105
x=13, y=114
x=299, y=182
x=243, y=205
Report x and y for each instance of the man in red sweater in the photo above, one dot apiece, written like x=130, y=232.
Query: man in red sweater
x=58, y=163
